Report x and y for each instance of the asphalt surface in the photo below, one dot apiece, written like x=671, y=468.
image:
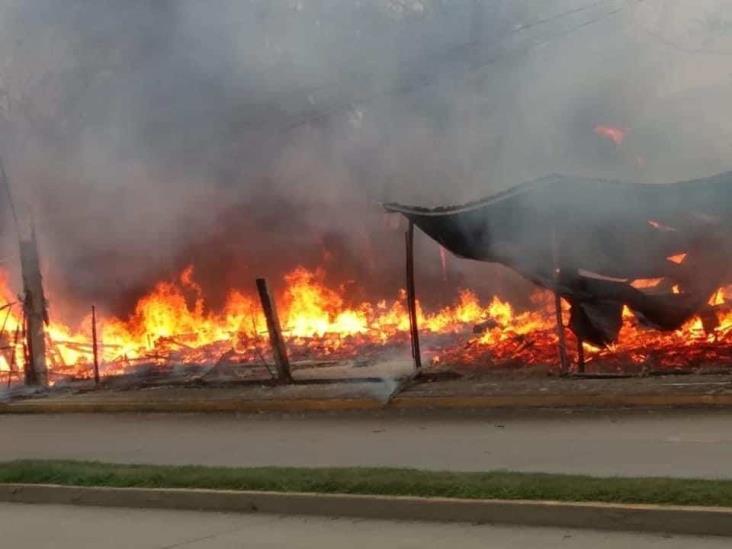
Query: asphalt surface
x=684, y=444
x=68, y=527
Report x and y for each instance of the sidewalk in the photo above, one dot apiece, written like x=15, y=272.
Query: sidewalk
x=369, y=394
x=69, y=527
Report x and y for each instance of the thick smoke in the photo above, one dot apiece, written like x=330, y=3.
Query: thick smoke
x=246, y=137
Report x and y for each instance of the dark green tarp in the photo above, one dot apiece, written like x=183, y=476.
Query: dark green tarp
x=600, y=236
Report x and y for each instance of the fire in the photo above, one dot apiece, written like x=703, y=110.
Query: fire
x=644, y=283
x=616, y=135
x=314, y=310
x=173, y=324
x=678, y=258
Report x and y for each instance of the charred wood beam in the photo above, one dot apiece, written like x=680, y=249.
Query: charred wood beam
x=279, y=350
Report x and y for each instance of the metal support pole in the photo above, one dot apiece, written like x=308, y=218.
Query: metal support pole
x=561, y=341
x=412, y=299
x=277, y=342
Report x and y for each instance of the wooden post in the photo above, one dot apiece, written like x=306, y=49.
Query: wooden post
x=36, y=314
x=580, y=356
x=282, y=362
x=412, y=299
x=95, y=345
x=561, y=342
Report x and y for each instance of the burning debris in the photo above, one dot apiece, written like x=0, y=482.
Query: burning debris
x=644, y=257
x=320, y=326
x=165, y=142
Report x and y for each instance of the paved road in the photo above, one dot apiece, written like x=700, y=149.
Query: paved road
x=695, y=444
x=66, y=527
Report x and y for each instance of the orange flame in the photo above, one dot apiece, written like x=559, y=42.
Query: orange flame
x=616, y=135
x=173, y=324
x=678, y=258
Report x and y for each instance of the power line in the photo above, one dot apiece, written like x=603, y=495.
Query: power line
x=428, y=79
x=663, y=39
x=560, y=15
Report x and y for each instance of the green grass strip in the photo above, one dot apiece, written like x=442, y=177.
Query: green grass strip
x=377, y=481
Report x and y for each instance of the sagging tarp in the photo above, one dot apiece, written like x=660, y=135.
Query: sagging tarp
x=591, y=240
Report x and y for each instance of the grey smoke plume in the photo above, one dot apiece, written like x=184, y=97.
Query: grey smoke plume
x=245, y=137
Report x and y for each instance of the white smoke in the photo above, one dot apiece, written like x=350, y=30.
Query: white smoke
x=245, y=135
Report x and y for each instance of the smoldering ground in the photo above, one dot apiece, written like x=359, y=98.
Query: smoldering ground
x=248, y=137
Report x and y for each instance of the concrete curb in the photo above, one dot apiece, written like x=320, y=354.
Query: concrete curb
x=50, y=406
x=400, y=402
x=638, y=518
x=600, y=400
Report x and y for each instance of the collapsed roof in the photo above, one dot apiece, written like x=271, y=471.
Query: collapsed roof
x=596, y=242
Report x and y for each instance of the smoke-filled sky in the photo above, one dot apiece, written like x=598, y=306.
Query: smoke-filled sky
x=246, y=137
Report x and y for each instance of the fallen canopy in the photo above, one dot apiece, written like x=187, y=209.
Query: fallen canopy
x=590, y=239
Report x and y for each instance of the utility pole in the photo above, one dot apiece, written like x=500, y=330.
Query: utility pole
x=34, y=298
x=36, y=312
x=9, y=196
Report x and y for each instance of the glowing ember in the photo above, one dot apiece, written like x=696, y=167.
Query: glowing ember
x=616, y=135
